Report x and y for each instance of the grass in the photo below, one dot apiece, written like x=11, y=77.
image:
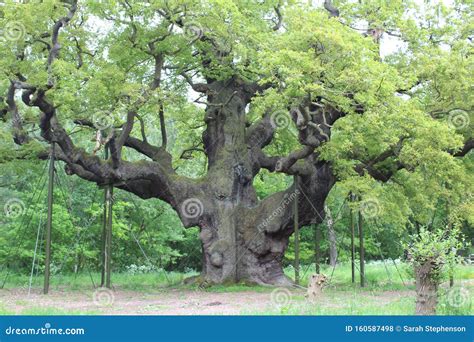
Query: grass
x=362, y=302
x=389, y=290
x=377, y=275
x=79, y=281
x=357, y=305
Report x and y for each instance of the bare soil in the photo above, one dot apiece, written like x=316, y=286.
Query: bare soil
x=171, y=301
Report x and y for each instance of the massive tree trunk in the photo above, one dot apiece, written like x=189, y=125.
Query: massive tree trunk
x=243, y=238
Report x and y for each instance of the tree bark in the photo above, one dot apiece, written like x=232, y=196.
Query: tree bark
x=426, y=288
x=245, y=239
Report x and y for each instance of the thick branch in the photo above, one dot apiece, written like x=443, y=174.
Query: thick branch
x=127, y=129
x=197, y=87
x=468, y=146
x=260, y=134
x=383, y=176
x=333, y=11
x=285, y=163
x=279, y=18
x=55, y=46
x=270, y=163
x=19, y=135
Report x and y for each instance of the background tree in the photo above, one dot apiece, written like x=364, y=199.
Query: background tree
x=432, y=254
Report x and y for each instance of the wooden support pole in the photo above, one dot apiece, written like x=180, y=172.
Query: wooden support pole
x=103, y=241
x=49, y=222
x=108, y=239
x=297, y=232
x=104, y=233
x=351, y=199
x=451, y=271
x=317, y=248
x=361, y=250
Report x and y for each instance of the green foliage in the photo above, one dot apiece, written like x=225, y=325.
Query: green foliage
x=420, y=95
x=144, y=232
x=438, y=246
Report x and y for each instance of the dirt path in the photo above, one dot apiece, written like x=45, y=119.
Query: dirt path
x=172, y=301
x=123, y=302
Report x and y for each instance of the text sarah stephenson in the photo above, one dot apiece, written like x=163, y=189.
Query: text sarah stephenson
x=432, y=328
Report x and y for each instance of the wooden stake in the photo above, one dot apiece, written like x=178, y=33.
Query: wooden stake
x=317, y=248
x=104, y=237
x=361, y=250
x=108, y=239
x=49, y=222
x=104, y=233
x=351, y=199
x=297, y=232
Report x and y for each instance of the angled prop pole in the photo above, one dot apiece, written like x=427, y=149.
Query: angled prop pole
x=297, y=233
x=317, y=248
x=108, y=236
x=49, y=221
x=361, y=249
x=351, y=199
x=104, y=232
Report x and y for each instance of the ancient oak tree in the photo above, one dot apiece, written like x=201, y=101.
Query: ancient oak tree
x=248, y=87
